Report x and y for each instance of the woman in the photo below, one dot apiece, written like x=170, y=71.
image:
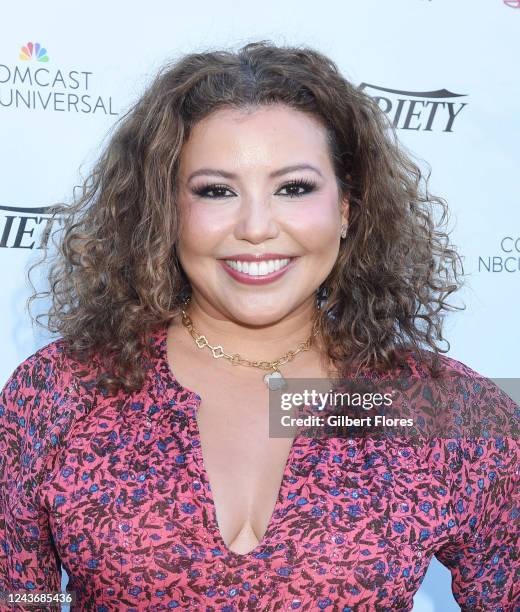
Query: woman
x=252, y=215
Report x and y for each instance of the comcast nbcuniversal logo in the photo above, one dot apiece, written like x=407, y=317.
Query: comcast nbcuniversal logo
x=33, y=51
x=34, y=83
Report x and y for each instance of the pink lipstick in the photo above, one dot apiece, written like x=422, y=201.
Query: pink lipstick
x=257, y=269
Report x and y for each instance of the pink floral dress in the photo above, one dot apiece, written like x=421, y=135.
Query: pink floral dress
x=114, y=490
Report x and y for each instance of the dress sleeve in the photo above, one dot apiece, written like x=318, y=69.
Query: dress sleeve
x=482, y=550
x=28, y=429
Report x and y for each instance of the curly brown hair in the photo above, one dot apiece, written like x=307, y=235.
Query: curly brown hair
x=115, y=275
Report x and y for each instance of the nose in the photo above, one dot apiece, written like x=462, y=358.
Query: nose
x=255, y=221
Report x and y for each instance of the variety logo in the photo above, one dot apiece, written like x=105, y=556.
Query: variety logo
x=427, y=111
x=32, y=85
x=19, y=223
x=33, y=51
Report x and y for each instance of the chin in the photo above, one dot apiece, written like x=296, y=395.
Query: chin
x=259, y=313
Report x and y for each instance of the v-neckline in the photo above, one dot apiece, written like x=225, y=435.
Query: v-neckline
x=194, y=404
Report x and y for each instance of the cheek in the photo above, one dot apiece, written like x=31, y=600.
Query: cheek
x=316, y=227
x=203, y=228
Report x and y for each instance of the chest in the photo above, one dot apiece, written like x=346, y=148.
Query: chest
x=130, y=498
x=244, y=466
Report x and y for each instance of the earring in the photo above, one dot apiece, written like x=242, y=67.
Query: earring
x=322, y=293
x=344, y=228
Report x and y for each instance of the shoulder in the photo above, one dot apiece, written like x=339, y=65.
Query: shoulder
x=485, y=407
x=36, y=370
x=448, y=365
x=39, y=403
x=476, y=425
x=51, y=370
x=46, y=373
x=459, y=407
x=474, y=397
x=475, y=447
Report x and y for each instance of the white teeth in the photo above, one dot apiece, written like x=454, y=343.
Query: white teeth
x=261, y=268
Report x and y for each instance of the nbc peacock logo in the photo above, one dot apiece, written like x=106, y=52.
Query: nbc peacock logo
x=33, y=51
x=33, y=82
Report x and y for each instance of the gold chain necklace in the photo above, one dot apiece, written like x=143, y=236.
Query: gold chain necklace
x=274, y=380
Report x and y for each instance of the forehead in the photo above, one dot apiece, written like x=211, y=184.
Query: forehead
x=267, y=135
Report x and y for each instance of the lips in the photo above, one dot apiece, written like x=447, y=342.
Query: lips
x=257, y=270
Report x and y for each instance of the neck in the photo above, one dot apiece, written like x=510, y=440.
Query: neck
x=263, y=342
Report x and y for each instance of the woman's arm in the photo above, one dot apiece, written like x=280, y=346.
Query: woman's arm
x=29, y=404
x=483, y=551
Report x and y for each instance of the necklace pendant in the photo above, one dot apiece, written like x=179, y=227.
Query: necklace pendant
x=275, y=380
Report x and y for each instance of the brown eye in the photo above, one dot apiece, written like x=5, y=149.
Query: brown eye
x=294, y=186
x=205, y=190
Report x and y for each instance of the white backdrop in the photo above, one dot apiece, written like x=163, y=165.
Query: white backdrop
x=444, y=71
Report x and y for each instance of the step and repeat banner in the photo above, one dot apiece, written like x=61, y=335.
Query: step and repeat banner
x=444, y=72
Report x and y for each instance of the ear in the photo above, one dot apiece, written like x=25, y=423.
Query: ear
x=344, y=209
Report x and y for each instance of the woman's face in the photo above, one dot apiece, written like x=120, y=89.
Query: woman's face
x=258, y=234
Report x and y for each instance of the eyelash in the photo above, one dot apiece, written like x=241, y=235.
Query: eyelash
x=304, y=183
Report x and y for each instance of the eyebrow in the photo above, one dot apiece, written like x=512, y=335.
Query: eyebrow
x=231, y=175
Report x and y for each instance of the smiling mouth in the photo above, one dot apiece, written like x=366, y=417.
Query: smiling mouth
x=260, y=268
